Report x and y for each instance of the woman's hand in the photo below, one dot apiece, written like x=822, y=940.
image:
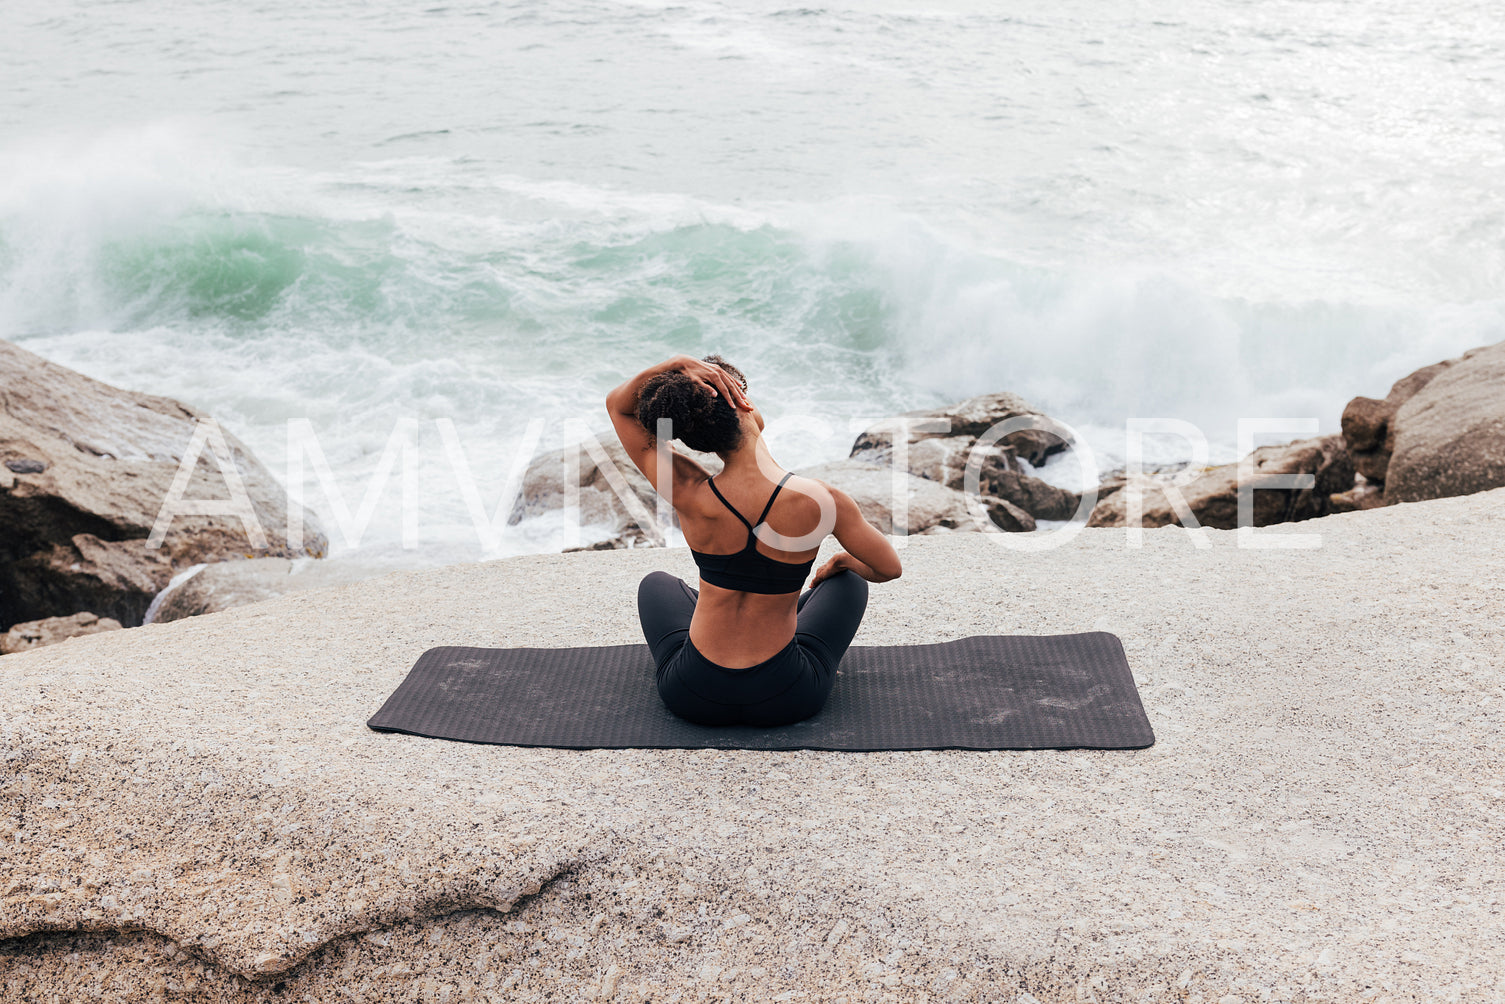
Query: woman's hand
x=718, y=380
x=845, y=562
x=839, y=562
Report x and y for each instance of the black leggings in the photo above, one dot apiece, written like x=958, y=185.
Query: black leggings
x=788, y=687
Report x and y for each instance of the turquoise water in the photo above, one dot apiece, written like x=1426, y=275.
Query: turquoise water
x=357, y=213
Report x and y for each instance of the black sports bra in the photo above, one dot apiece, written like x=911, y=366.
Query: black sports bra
x=749, y=569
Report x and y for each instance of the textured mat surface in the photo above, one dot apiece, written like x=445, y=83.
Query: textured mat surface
x=984, y=693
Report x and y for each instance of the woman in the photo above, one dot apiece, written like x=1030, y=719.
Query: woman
x=747, y=648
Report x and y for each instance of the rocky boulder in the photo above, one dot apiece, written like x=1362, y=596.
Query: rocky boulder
x=1366, y=429
x=1040, y=499
x=1012, y=499
x=1116, y=479
x=51, y=630
x=943, y=456
x=1449, y=437
x=932, y=507
x=1365, y=494
x=940, y=458
x=549, y=474
x=84, y=469
x=1366, y=422
x=967, y=421
x=1213, y=495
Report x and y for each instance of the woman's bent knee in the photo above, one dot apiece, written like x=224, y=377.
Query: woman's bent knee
x=851, y=588
x=855, y=582
x=654, y=581
x=665, y=607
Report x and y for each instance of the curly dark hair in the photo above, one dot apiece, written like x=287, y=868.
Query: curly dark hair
x=706, y=423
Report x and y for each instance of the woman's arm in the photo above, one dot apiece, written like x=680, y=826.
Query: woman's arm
x=622, y=405
x=868, y=552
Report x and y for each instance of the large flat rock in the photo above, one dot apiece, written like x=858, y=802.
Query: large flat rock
x=196, y=810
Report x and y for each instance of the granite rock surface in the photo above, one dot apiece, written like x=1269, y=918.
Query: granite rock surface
x=196, y=810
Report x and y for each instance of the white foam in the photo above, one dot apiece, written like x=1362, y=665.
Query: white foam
x=68, y=196
x=1099, y=346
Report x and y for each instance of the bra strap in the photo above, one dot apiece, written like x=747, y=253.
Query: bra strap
x=712, y=483
x=775, y=495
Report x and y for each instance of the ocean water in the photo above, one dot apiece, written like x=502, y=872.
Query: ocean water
x=480, y=216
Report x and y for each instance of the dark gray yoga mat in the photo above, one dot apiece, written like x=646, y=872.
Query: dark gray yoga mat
x=1070, y=691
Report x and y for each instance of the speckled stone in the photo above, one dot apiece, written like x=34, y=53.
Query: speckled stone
x=196, y=810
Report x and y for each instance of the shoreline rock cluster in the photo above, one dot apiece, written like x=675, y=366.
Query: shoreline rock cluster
x=1211, y=495
x=937, y=446
x=84, y=468
x=1439, y=433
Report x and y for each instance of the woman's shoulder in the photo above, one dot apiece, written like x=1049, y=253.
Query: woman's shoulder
x=691, y=483
x=812, y=503
x=813, y=492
